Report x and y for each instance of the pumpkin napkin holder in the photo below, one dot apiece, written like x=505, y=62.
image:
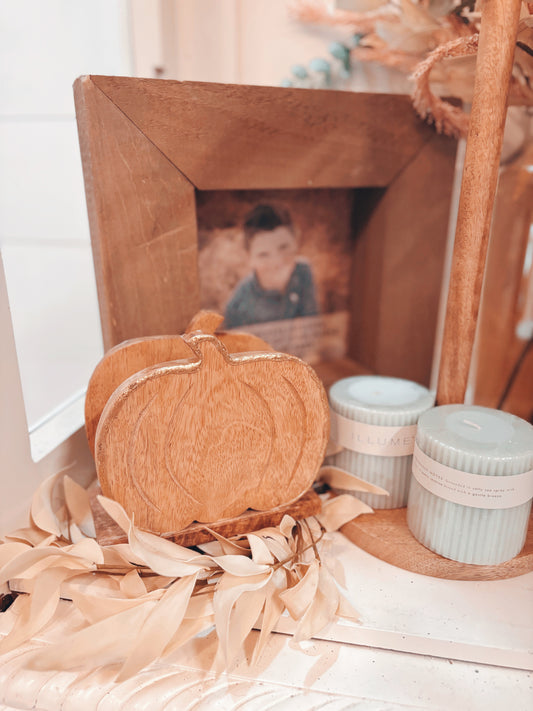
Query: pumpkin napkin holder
x=208, y=435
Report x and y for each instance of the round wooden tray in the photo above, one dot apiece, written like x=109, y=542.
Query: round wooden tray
x=385, y=535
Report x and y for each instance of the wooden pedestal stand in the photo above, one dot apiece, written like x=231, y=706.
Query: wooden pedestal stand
x=385, y=534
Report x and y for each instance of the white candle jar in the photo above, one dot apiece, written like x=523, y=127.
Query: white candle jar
x=374, y=419
x=472, y=484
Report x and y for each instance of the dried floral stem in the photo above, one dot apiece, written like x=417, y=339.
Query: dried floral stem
x=191, y=588
x=314, y=12
x=448, y=119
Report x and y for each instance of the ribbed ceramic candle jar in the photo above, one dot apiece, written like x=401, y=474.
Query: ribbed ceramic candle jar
x=472, y=483
x=374, y=419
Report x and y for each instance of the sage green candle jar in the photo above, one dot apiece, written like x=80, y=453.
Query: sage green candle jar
x=374, y=419
x=472, y=484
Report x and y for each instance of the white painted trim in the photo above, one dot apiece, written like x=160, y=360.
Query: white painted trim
x=20, y=474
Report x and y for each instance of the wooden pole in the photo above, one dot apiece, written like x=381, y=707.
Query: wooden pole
x=499, y=25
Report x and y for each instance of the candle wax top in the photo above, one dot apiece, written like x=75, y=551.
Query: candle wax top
x=476, y=439
x=380, y=400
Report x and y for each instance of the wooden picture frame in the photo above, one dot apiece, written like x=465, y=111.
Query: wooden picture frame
x=149, y=145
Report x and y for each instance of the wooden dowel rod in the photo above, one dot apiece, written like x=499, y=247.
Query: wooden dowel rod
x=499, y=26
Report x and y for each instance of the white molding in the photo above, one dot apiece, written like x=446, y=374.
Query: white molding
x=19, y=473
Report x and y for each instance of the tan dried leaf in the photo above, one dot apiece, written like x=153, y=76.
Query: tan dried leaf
x=298, y=598
x=131, y=585
x=52, y=556
x=32, y=535
x=339, y=510
x=228, y=590
x=164, y=557
x=273, y=610
x=41, y=607
x=116, y=511
x=246, y=612
x=322, y=610
x=260, y=551
x=240, y=566
x=226, y=546
x=79, y=507
x=340, y=479
x=99, y=607
x=106, y=642
x=9, y=551
x=158, y=628
x=43, y=513
x=188, y=629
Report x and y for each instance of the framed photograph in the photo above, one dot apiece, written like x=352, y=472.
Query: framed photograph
x=277, y=263
x=187, y=182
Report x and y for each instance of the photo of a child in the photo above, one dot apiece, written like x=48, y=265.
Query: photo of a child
x=276, y=263
x=280, y=285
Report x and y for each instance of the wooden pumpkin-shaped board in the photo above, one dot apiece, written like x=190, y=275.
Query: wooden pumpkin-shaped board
x=130, y=357
x=205, y=438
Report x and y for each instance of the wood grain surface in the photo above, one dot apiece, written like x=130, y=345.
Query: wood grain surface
x=207, y=438
x=397, y=266
x=499, y=25
x=385, y=535
x=126, y=359
x=233, y=136
x=142, y=216
x=109, y=533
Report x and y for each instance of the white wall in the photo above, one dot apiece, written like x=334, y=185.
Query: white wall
x=44, y=234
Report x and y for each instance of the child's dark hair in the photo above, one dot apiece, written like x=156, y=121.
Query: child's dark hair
x=265, y=218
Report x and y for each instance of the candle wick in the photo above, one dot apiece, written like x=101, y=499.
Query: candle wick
x=472, y=424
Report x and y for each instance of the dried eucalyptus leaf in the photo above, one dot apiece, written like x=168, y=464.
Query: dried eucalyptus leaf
x=10, y=550
x=246, y=612
x=299, y=597
x=42, y=511
x=116, y=511
x=240, y=566
x=32, y=535
x=228, y=591
x=273, y=610
x=341, y=509
x=260, y=551
x=346, y=609
x=165, y=557
x=340, y=479
x=276, y=543
x=322, y=610
x=131, y=585
x=158, y=628
x=52, y=556
x=200, y=605
x=79, y=507
x=229, y=547
x=188, y=629
x=99, y=607
x=42, y=605
x=106, y=642
x=88, y=549
x=286, y=526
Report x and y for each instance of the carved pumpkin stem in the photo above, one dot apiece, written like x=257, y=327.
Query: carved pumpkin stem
x=205, y=321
